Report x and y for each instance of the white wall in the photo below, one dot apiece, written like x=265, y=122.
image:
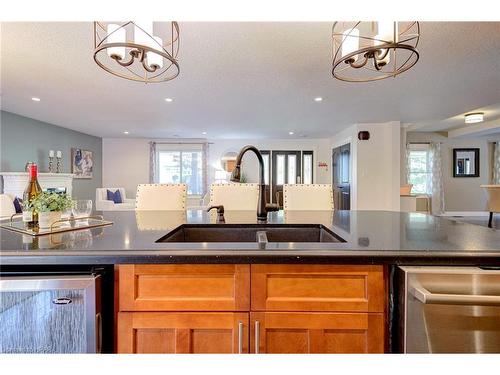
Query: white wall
x=126, y=160
x=378, y=167
x=218, y=148
x=375, y=165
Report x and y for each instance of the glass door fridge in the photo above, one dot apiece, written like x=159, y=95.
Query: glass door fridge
x=50, y=314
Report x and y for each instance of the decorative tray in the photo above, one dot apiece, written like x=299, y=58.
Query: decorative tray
x=63, y=225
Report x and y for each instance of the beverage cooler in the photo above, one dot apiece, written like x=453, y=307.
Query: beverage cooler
x=48, y=313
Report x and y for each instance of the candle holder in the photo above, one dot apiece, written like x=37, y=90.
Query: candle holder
x=58, y=167
x=51, y=164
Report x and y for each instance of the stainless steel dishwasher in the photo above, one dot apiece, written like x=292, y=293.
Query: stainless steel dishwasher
x=451, y=310
x=50, y=314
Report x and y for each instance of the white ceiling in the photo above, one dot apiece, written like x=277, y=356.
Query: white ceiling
x=246, y=80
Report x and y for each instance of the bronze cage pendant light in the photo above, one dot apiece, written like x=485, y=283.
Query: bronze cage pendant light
x=131, y=50
x=371, y=51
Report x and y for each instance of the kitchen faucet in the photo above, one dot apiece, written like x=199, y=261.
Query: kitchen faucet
x=263, y=207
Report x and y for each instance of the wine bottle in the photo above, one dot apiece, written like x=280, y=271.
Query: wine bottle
x=32, y=190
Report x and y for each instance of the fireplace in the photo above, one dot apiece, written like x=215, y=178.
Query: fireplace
x=14, y=183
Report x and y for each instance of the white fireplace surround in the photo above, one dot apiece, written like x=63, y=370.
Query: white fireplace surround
x=14, y=183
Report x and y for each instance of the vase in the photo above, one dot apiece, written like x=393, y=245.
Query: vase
x=46, y=219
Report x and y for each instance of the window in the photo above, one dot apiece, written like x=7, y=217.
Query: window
x=292, y=169
x=307, y=166
x=280, y=170
x=419, y=172
x=265, y=158
x=181, y=164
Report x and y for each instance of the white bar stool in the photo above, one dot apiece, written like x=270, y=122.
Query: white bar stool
x=161, y=197
x=235, y=197
x=308, y=197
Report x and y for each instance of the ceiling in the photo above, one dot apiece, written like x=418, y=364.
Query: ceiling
x=246, y=80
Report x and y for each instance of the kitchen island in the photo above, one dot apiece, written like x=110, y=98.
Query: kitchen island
x=380, y=237
x=250, y=297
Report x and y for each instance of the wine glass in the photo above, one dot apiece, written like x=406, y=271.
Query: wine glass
x=82, y=208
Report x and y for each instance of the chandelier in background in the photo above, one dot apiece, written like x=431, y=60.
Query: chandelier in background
x=371, y=51
x=132, y=50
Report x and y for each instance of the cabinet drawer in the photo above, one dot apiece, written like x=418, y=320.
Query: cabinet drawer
x=294, y=332
x=317, y=288
x=184, y=287
x=166, y=332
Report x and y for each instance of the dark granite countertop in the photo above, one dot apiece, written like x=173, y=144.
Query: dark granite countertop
x=371, y=237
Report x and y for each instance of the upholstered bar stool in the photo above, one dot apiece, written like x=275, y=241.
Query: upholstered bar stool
x=161, y=197
x=310, y=197
x=493, y=205
x=235, y=197
x=7, y=208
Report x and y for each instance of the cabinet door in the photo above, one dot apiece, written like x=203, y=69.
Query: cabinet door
x=184, y=287
x=291, y=332
x=335, y=288
x=152, y=332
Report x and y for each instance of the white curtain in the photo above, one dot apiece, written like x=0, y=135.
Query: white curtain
x=436, y=179
x=205, y=167
x=407, y=163
x=152, y=162
x=496, y=163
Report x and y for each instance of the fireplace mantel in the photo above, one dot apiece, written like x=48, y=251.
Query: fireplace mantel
x=14, y=183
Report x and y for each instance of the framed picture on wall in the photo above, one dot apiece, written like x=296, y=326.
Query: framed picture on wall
x=465, y=162
x=82, y=163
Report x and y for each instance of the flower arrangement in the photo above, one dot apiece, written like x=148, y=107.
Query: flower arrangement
x=26, y=205
x=51, y=202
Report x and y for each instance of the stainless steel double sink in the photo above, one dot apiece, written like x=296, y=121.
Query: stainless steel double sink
x=260, y=233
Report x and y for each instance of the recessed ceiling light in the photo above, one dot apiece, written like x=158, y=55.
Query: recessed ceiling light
x=472, y=118
x=318, y=99
x=35, y=99
x=204, y=133
x=125, y=132
x=291, y=133
x=169, y=100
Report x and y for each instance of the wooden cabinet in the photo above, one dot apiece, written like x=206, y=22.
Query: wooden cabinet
x=294, y=332
x=160, y=332
x=292, y=309
x=317, y=288
x=224, y=287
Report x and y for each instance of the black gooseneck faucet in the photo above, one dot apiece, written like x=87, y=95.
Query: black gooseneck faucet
x=263, y=207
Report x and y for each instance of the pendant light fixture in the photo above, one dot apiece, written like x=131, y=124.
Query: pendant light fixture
x=371, y=51
x=134, y=51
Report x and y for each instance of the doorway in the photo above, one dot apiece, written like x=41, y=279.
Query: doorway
x=341, y=177
x=286, y=169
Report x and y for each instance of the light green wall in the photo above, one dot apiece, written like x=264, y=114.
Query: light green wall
x=24, y=139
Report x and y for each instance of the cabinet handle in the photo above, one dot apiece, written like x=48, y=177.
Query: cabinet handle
x=257, y=336
x=426, y=297
x=240, y=337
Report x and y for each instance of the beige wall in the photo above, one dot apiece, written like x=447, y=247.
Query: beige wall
x=460, y=193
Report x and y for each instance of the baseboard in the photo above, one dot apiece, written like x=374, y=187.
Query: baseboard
x=465, y=213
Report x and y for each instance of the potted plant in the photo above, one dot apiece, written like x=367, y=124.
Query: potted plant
x=50, y=207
